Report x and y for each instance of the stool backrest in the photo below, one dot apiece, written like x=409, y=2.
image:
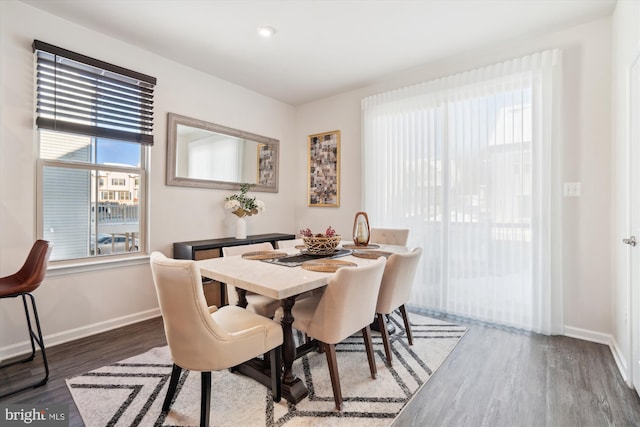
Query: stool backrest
x=34, y=268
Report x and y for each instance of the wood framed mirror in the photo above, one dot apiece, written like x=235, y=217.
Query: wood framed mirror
x=203, y=154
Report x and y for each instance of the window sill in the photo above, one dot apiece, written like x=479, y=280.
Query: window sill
x=62, y=268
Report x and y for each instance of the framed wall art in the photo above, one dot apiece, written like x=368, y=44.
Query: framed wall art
x=266, y=165
x=324, y=169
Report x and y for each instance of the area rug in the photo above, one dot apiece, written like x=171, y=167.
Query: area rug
x=131, y=392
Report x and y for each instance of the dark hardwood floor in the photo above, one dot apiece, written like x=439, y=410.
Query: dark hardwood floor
x=495, y=377
x=74, y=358
x=498, y=377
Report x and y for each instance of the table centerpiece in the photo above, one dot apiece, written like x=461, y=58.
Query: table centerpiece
x=320, y=243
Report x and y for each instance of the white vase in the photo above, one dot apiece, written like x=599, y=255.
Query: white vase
x=241, y=228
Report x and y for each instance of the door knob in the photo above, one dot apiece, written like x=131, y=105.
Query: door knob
x=630, y=241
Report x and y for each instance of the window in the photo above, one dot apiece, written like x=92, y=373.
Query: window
x=95, y=123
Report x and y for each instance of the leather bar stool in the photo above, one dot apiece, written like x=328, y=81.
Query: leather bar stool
x=22, y=284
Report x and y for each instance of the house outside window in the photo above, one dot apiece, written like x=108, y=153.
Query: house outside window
x=74, y=204
x=94, y=123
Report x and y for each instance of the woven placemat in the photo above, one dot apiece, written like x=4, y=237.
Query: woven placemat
x=371, y=254
x=327, y=265
x=263, y=255
x=369, y=246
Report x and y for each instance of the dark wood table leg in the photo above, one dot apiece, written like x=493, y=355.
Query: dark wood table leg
x=242, y=297
x=223, y=294
x=293, y=389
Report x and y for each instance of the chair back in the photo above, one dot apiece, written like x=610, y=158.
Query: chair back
x=232, y=295
x=34, y=269
x=281, y=244
x=397, y=281
x=348, y=303
x=193, y=336
x=390, y=236
x=243, y=249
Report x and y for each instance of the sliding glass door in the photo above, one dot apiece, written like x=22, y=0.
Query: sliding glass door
x=465, y=163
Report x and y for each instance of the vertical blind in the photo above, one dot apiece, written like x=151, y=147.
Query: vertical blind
x=79, y=94
x=470, y=164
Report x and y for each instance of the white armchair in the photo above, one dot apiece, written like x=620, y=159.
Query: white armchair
x=257, y=303
x=345, y=307
x=395, y=291
x=282, y=244
x=205, y=338
x=389, y=236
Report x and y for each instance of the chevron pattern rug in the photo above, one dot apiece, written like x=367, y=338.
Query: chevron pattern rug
x=131, y=392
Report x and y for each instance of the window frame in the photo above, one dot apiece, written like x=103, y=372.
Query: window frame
x=142, y=171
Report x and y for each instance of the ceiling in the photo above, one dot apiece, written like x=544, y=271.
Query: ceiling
x=321, y=47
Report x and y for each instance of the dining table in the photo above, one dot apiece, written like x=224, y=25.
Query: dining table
x=284, y=283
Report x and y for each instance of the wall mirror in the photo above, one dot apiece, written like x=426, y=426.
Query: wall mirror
x=202, y=154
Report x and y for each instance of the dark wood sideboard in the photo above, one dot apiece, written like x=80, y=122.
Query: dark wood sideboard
x=214, y=291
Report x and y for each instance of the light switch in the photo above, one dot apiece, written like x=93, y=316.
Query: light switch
x=572, y=189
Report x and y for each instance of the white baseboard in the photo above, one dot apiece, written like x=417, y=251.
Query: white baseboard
x=587, y=335
x=600, y=338
x=621, y=361
x=77, y=333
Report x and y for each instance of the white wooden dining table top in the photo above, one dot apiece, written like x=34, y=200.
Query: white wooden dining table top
x=273, y=280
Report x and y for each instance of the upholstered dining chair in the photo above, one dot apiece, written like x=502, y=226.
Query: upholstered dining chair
x=282, y=244
x=345, y=307
x=395, y=291
x=22, y=284
x=206, y=339
x=389, y=236
x=257, y=303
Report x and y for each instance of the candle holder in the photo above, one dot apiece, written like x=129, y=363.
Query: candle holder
x=361, y=230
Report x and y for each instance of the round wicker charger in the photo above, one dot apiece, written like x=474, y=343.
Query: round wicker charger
x=369, y=246
x=326, y=265
x=263, y=255
x=371, y=254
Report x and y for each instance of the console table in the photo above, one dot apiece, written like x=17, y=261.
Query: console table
x=197, y=250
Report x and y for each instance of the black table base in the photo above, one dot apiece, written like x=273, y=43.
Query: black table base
x=391, y=328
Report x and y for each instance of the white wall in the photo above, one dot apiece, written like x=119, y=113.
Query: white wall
x=75, y=304
x=72, y=305
x=587, y=153
x=626, y=45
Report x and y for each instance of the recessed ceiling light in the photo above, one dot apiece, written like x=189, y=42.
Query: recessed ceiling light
x=266, y=31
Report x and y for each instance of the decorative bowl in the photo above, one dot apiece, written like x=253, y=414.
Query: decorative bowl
x=317, y=245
